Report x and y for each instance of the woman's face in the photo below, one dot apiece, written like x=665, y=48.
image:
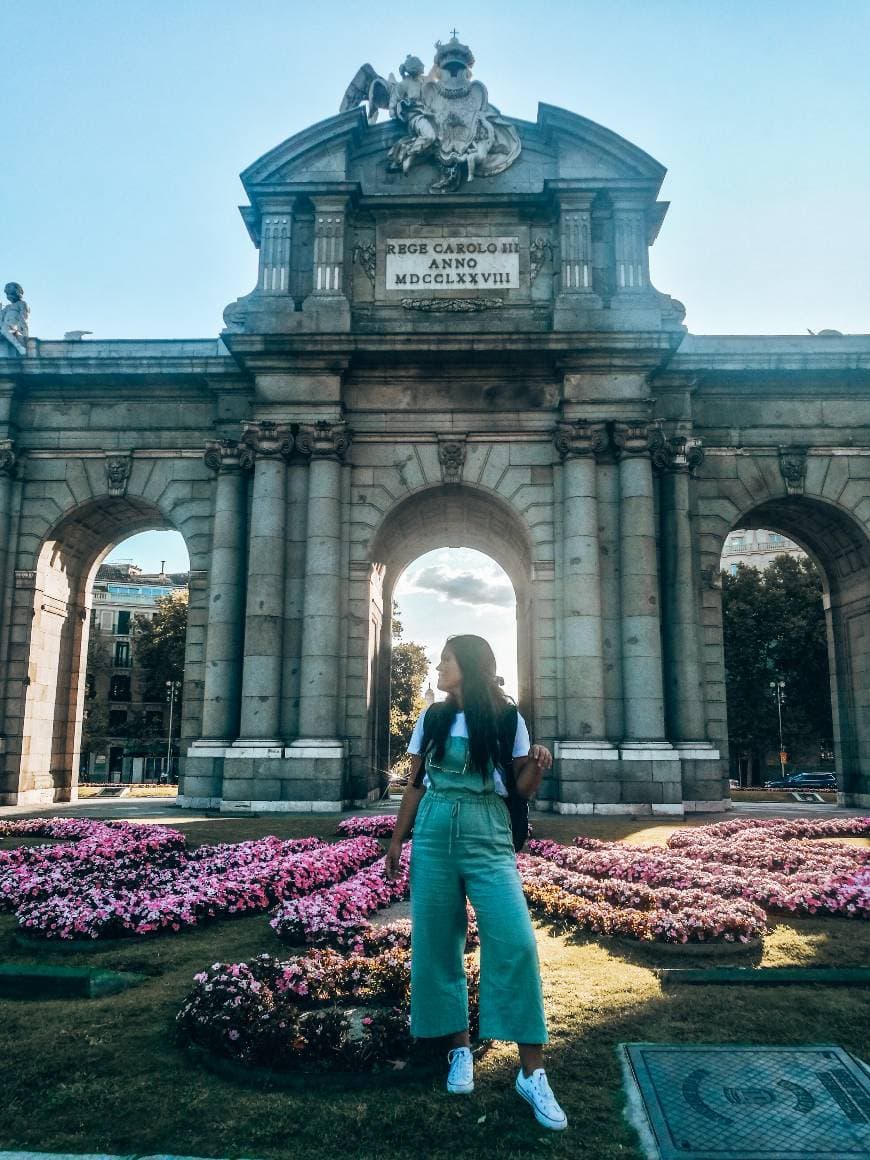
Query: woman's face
x=449, y=672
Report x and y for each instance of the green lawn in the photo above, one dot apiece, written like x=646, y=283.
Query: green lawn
x=105, y=1075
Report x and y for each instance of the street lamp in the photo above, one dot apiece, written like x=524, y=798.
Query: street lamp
x=172, y=690
x=777, y=688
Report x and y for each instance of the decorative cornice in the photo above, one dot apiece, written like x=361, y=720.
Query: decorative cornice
x=581, y=438
x=226, y=455
x=451, y=456
x=324, y=440
x=118, y=472
x=793, y=465
x=264, y=440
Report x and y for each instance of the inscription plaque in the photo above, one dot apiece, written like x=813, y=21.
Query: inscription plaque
x=444, y=264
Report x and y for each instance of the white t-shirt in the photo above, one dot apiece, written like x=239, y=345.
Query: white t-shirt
x=522, y=744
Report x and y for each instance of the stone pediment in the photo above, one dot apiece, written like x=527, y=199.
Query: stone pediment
x=558, y=146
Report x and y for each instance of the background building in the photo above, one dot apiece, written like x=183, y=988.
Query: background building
x=126, y=735
x=756, y=548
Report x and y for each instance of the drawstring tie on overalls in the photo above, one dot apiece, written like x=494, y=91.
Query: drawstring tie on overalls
x=454, y=825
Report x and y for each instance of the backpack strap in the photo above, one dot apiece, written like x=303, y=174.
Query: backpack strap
x=507, y=731
x=428, y=729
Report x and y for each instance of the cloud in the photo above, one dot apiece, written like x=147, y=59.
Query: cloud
x=484, y=588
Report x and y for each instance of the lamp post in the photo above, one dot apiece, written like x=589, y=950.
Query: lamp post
x=172, y=690
x=777, y=688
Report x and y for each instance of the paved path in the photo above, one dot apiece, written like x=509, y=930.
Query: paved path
x=163, y=809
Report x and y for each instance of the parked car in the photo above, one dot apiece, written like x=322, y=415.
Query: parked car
x=804, y=781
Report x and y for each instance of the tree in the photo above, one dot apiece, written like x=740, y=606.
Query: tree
x=774, y=628
x=159, y=646
x=408, y=670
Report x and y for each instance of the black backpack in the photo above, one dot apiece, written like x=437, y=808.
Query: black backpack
x=518, y=806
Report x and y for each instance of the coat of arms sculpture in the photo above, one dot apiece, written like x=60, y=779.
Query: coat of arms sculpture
x=447, y=114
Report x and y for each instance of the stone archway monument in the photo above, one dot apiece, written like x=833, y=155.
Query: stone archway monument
x=453, y=339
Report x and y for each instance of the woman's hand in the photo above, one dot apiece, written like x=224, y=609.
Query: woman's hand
x=541, y=756
x=392, y=866
x=529, y=771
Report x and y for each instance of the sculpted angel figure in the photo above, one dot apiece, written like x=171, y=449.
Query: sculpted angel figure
x=447, y=114
x=13, y=318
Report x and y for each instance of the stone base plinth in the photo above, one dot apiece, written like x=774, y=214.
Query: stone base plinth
x=596, y=778
x=202, y=775
x=705, y=778
x=265, y=776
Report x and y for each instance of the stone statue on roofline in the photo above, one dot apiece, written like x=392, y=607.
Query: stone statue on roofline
x=13, y=320
x=447, y=114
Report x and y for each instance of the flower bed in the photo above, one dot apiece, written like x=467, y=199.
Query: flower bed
x=332, y=917
x=318, y=1011
x=711, y=883
x=375, y=826
x=119, y=880
x=632, y=910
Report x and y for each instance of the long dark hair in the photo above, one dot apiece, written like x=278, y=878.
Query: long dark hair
x=482, y=701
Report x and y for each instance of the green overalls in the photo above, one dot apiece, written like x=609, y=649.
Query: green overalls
x=462, y=847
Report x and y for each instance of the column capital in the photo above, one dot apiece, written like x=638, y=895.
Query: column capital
x=264, y=440
x=675, y=453
x=225, y=456
x=581, y=438
x=324, y=440
x=8, y=458
x=687, y=453
x=634, y=438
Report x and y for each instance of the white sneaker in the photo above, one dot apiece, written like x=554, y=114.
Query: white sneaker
x=535, y=1090
x=460, y=1078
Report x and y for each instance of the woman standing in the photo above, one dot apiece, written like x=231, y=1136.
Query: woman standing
x=455, y=803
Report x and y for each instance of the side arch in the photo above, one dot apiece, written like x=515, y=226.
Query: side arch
x=49, y=626
x=839, y=544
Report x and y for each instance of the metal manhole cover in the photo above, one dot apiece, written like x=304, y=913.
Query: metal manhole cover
x=748, y=1103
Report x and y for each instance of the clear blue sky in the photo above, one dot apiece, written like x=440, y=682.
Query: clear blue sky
x=126, y=123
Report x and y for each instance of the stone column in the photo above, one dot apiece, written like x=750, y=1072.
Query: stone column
x=682, y=654
x=265, y=445
x=639, y=589
x=226, y=613
x=611, y=620
x=294, y=593
x=318, y=699
x=276, y=231
x=582, y=665
x=7, y=470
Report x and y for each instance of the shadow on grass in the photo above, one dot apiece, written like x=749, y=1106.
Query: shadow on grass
x=106, y=1075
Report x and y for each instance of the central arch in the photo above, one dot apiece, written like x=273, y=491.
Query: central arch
x=444, y=516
